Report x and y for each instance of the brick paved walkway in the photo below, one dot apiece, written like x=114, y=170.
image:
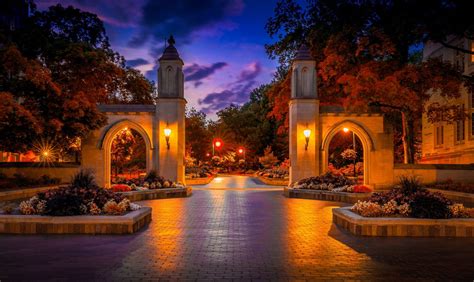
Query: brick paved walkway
x=241, y=235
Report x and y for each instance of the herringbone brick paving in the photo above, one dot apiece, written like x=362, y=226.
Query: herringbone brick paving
x=236, y=235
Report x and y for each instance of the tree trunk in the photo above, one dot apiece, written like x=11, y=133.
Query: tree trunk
x=408, y=138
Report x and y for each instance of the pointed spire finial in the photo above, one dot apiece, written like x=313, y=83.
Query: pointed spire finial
x=171, y=40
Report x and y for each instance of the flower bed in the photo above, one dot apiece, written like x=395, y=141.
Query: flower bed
x=410, y=199
x=330, y=182
x=80, y=207
x=164, y=193
x=150, y=182
x=72, y=200
x=281, y=174
x=402, y=226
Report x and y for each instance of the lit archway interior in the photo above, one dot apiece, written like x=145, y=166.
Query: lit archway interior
x=346, y=155
x=128, y=156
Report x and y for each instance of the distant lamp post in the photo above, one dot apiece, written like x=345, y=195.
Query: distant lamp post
x=345, y=129
x=216, y=145
x=242, y=152
x=167, y=132
x=307, y=134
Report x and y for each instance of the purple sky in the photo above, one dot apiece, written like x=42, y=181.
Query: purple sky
x=221, y=42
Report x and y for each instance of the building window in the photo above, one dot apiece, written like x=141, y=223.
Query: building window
x=472, y=50
x=439, y=135
x=459, y=131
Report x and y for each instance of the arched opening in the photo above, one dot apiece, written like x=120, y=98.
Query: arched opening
x=107, y=141
x=362, y=139
x=346, y=155
x=127, y=156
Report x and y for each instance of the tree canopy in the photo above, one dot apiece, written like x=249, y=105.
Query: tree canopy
x=368, y=54
x=54, y=70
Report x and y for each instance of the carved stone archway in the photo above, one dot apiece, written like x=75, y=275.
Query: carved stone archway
x=105, y=145
x=364, y=137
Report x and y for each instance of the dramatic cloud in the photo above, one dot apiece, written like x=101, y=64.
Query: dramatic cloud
x=197, y=72
x=137, y=62
x=237, y=94
x=183, y=18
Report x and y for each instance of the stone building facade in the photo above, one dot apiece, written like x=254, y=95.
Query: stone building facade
x=444, y=143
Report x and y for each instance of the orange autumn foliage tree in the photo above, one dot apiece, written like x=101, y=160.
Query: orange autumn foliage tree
x=367, y=59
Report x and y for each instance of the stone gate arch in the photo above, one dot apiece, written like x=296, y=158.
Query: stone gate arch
x=313, y=126
x=367, y=141
x=108, y=135
x=161, y=125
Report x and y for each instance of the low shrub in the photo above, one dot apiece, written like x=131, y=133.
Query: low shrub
x=425, y=204
x=84, y=179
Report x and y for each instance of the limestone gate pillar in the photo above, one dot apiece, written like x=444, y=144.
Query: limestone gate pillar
x=303, y=115
x=170, y=116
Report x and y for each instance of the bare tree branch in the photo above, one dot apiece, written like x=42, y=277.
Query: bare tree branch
x=457, y=48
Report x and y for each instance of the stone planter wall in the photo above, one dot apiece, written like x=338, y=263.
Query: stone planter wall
x=273, y=181
x=158, y=194
x=24, y=193
x=458, y=197
x=199, y=181
x=84, y=224
x=402, y=227
x=344, y=197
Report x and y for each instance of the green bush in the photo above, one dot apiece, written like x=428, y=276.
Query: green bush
x=424, y=204
x=84, y=179
x=410, y=185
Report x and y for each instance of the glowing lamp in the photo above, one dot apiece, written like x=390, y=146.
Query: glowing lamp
x=345, y=129
x=218, y=144
x=307, y=134
x=167, y=133
x=241, y=151
x=46, y=154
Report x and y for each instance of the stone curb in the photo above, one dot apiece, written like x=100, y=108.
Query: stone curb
x=344, y=197
x=199, y=181
x=273, y=182
x=158, y=194
x=24, y=193
x=82, y=224
x=459, y=197
x=402, y=227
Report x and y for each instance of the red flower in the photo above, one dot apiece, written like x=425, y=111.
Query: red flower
x=121, y=188
x=362, y=189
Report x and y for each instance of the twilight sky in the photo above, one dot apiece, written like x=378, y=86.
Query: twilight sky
x=220, y=41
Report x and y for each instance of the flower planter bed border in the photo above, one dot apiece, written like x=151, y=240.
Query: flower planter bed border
x=199, y=181
x=459, y=197
x=273, y=181
x=83, y=224
x=324, y=195
x=402, y=227
x=23, y=193
x=158, y=194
